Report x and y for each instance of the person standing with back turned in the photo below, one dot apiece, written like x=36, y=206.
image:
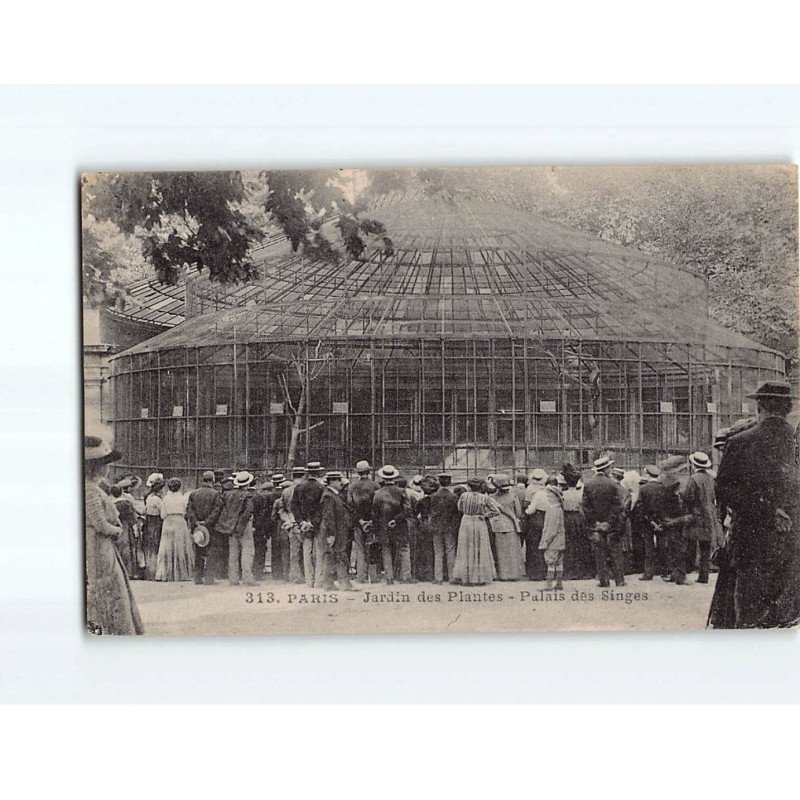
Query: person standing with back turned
x=757, y=481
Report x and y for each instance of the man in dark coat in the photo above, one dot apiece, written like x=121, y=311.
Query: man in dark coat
x=203, y=508
x=444, y=520
x=235, y=523
x=603, y=512
x=359, y=499
x=703, y=530
x=334, y=528
x=757, y=482
x=307, y=509
x=263, y=530
x=650, y=516
x=391, y=508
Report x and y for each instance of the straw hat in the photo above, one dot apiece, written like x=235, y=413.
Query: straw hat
x=200, y=535
x=538, y=476
x=604, y=462
x=242, y=479
x=700, y=460
x=99, y=451
x=388, y=473
x=129, y=483
x=501, y=481
x=278, y=478
x=153, y=478
x=314, y=467
x=333, y=475
x=363, y=466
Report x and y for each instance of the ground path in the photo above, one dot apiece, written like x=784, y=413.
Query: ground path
x=275, y=607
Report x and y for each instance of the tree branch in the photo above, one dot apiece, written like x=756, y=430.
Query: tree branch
x=310, y=427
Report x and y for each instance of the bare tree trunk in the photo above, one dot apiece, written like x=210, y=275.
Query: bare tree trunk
x=297, y=420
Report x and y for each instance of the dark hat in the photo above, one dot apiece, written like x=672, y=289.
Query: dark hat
x=209, y=476
x=99, y=451
x=774, y=389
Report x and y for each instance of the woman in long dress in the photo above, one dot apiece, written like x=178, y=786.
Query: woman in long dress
x=175, y=553
x=127, y=543
x=578, y=557
x=110, y=606
x=151, y=533
x=474, y=562
x=505, y=529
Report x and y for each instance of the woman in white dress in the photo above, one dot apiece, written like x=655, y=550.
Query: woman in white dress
x=175, y=553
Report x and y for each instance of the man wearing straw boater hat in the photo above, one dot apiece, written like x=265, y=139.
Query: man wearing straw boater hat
x=235, y=523
x=307, y=509
x=757, y=481
x=603, y=512
x=359, y=499
x=703, y=530
x=391, y=508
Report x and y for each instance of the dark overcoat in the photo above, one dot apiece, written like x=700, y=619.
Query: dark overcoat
x=758, y=482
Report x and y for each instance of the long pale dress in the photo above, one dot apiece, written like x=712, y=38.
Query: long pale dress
x=474, y=561
x=110, y=607
x=175, y=553
x=505, y=528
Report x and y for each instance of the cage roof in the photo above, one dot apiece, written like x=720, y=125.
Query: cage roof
x=460, y=267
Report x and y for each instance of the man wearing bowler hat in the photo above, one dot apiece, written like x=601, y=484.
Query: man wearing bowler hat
x=757, y=481
x=445, y=520
x=334, y=530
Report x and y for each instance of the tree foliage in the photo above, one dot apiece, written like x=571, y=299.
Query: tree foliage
x=212, y=220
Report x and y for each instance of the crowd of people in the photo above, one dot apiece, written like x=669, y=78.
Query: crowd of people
x=330, y=533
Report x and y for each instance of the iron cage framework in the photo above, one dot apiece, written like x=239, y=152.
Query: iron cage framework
x=487, y=339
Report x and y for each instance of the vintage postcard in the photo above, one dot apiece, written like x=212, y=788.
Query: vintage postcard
x=441, y=400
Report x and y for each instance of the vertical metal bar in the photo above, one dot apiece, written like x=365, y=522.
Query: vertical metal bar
x=641, y=411
x=372, y=399
x=580, y=397
x=441, y=368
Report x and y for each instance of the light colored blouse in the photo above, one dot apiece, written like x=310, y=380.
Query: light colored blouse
x=538, y=502
x=152, y=505
x=476, y=504
x=174, y=503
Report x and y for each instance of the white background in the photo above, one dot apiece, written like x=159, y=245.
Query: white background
x=48, y=136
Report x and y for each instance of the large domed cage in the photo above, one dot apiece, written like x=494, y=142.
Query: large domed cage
x=489, y=339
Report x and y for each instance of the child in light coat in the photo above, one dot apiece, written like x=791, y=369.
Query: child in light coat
x=553, y=540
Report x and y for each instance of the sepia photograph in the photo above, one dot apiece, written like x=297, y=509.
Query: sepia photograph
x=440, y=400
